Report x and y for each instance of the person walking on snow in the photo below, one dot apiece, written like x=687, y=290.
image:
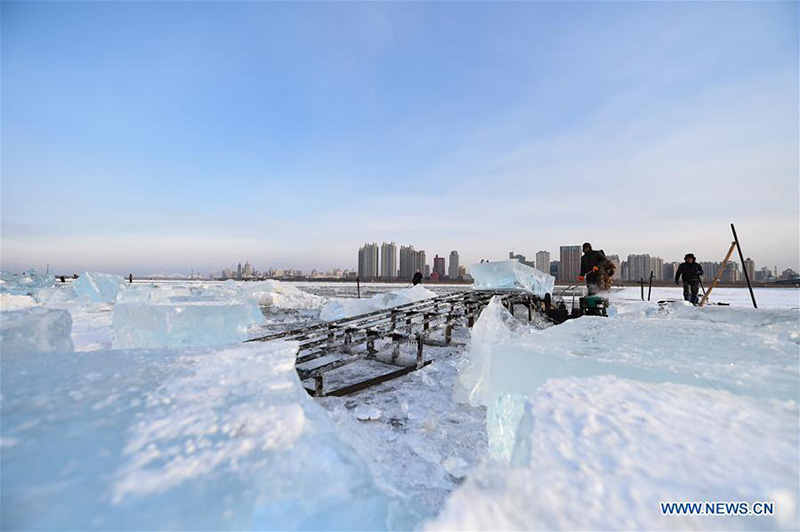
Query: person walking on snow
x=691, y=273
x=591, y=265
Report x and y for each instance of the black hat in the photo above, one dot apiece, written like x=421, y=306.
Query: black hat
x=689, y=256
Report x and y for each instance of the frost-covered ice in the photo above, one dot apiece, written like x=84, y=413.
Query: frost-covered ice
x=511, y=275
x=195, y=439
x=98, y=287
x=16, y=302
x=600, y=453
x=26, y=283
x=594, y=422
x=341, y=308
x=35, y=330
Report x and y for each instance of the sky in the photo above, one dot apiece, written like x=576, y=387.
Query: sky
x=167, y=136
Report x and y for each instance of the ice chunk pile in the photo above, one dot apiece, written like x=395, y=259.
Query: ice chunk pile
x=601, y=453
x=511, y=275
x=26, y=283
x=341, y=308
x=194, y=439
x=98, y=287
x=281, y=296
x=580, y=410
x=35, y=330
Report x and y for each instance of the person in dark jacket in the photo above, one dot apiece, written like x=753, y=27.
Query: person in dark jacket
x=591, y=268
x=417, y=278
x=691, y=273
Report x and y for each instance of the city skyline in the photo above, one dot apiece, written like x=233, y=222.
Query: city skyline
x=291, y=133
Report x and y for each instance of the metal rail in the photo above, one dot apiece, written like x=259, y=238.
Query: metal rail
x=327, y=346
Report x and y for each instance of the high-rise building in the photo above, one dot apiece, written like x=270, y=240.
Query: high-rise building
x=438, y=266
x=239, y=271
x=750, y=268
x=389, y=260
x=669, y=270
x=408, y=258
x=657, y=267
x=517, y=256
x=420, y=264
x=462, y=271
x=570, y=263
x=452, y=271
x=368, y=261
x=555, y=268
x=709, y=269
x=248, y=269
x=639, y=267
x=732, y=273
x=543, y=261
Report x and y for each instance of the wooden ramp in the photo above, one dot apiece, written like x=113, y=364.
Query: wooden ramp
x=326, y=347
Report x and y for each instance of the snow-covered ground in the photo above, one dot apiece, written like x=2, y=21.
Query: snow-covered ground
x=587, y=425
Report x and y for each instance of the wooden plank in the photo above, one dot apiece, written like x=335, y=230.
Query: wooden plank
x=357, y=387
x=719, y=273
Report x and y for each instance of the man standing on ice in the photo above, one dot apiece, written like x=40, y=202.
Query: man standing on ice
x=417, y=278
x=591, y=268
x=691, y=273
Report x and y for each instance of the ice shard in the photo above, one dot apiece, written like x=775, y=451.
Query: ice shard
x=98, y=287
x=35, y=330
x=511, y=275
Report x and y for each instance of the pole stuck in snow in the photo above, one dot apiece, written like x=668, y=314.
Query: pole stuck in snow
x=744, y=268
x=650, y=286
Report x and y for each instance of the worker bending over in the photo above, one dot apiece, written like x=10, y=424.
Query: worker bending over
x=592, y=265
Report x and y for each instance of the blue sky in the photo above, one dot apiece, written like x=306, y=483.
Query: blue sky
x=167, y=136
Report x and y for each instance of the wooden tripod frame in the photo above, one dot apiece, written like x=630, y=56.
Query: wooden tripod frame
x=720, y=271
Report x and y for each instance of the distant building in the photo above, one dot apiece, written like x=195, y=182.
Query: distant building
x=709, y=269
x=750, y=268
x=427, y=272
x=657, y=267
x=438, y=267
x=408, y=259
x=732, y=273
x=555, y=267
x=669, y=270
x=639, y=267
x=570, y=263
x=247, y=272
x=453, y=268
x=788, y=273
x=420, y=264
x=389, y=261
x=543, y=261
x=239, y=271
x=368, y=261
x=462, y=272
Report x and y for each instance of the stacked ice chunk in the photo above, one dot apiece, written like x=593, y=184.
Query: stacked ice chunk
x=35, y=330
x=511, y=275
x=98, y=287
x=341, y=308
x=26, y=283
x=194, y=439
x=153, y=317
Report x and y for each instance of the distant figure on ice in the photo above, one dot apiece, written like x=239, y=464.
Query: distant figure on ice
x=592, y=267
x=417, y=278
x=63, y=279
x=130, y=278
x=691, y=273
